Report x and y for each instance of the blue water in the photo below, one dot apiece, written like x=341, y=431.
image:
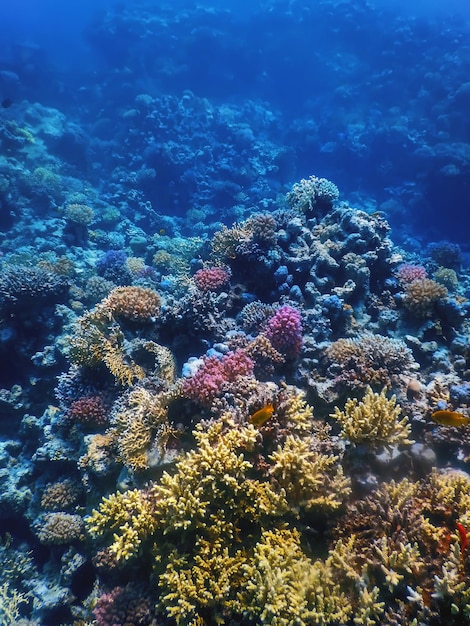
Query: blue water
x=372, y=95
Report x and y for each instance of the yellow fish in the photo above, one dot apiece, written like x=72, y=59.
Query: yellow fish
x=450, y=418
x=261, y=416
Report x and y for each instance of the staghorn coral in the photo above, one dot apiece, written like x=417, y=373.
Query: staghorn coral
x=10, y=602
x=374, y=420
x=310, y=479
x=132, y=514
x=195, y=517
x=205, y=584
x=136, y=304
x=421, y=296
x=285, y=587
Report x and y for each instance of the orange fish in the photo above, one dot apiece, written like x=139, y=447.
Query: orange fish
x=261, y=416
x=450, y=418
x=463, y=538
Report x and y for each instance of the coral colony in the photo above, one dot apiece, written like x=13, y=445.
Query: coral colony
x=252, y=411
x=243, y=447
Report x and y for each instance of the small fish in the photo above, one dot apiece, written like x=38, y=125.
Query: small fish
x=6, y=103
x=463, y=538
x=450, y=418
x=261, y=416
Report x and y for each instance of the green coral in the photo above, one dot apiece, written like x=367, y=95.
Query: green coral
x=374, y=420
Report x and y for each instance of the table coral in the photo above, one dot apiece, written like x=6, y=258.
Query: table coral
x=374, y=420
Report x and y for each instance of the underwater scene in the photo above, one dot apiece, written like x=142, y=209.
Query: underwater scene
x=234, y=313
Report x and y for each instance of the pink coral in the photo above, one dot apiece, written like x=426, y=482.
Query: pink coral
x=408, y=272
x=211, y=278
x=284, y=330
x=205, y=384
x=89, y=411
x=125, y=606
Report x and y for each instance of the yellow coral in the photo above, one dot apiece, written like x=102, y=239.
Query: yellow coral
x=131, y=514
x=10, y=602
x=211, y=488
x=309, y=478
x=208, y=581
x=421, y=296
x=375, y=420
x=144, y=418
x=138, y=304
x=285, y=588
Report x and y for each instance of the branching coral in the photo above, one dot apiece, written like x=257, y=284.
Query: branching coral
x=284, y=331
x=368, y=360
x=60, y=528
x=311, y=193
x=212, y=278
x=421, y=297
x=374, y=420
x=285, y=587
x=137, y=304
x=208, y=380
x=311, y=480
x=196, y=517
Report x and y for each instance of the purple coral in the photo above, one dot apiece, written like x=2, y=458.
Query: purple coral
x=284, y=330
x=205, y=384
